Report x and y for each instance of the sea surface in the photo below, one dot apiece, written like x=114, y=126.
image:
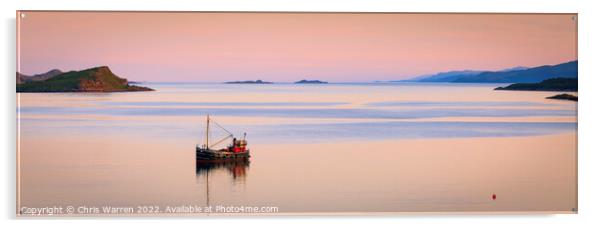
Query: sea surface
x=323, y=148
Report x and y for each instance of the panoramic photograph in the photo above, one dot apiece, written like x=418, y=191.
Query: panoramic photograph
x=288, y=113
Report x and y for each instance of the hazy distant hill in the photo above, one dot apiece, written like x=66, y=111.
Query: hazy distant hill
x=98, y=79
x=514, y=68
x=510, y=75
x=531, y=75
x=451, y=76
x=442, y=77
x=21, y=78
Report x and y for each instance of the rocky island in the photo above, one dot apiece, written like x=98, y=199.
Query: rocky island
x=552, y=84
x=310, y=82
x=564, y=96
x=249, y=82
x=97, y=79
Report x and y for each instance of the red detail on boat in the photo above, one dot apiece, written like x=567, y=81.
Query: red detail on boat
x=494, y=196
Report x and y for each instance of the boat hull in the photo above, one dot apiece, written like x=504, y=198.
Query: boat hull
x=216, y=155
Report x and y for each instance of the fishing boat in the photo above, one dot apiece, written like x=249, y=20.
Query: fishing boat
x=236, y=150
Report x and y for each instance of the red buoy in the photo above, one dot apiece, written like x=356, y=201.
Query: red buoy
x=493, y=197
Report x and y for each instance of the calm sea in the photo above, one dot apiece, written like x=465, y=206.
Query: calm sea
x=381, y=147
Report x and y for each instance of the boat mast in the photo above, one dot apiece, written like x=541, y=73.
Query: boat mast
x=207, y=134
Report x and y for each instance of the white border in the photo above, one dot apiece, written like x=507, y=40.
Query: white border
x=589, y=109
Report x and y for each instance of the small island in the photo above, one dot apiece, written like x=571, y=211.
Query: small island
x=552, y=84
x=97, y=79
x=310, y=82
x=249, y=82
x=564, y=96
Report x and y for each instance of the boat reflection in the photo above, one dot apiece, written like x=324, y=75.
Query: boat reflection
x=236, y=168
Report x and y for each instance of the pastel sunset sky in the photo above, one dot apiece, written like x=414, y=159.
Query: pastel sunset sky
x=283, y=47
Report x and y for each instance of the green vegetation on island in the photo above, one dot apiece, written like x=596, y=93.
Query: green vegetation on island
x=98, y=79
x=564, y=96
x=552, y=84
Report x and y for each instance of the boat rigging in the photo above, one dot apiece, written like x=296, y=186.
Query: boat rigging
x=236, y=150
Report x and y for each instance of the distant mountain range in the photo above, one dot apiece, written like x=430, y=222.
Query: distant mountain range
x=97, y=79
x=443, y=76
x=21, y=78
x=511, y=75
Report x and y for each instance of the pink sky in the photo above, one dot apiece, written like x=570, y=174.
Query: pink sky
x=282, y=47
